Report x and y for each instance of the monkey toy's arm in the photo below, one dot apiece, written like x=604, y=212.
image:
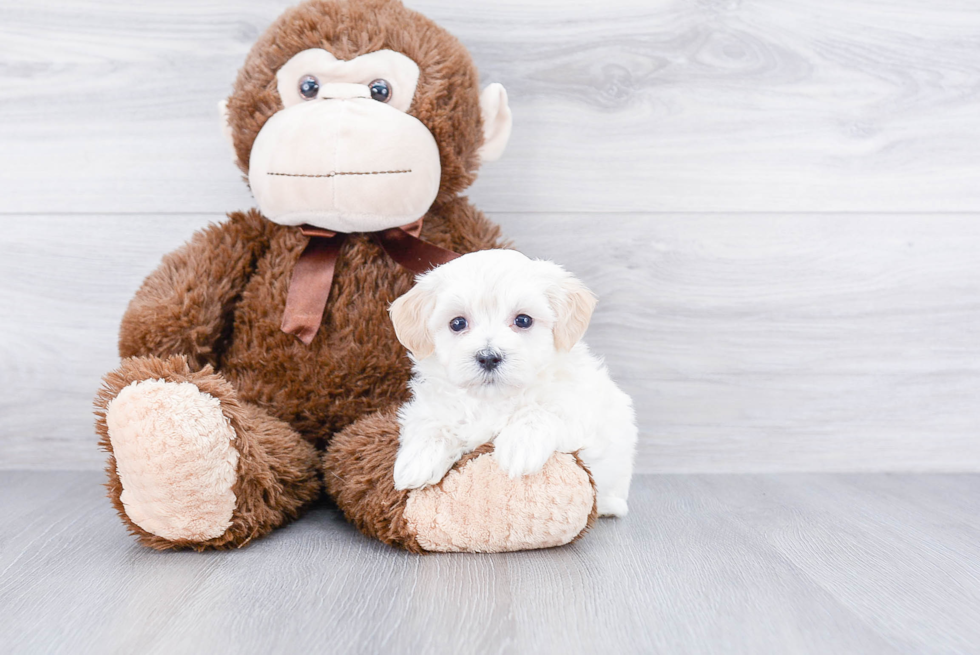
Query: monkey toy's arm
x=185, y=306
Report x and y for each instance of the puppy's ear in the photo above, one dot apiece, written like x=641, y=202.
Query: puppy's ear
x=572, y=303
x=410, y=314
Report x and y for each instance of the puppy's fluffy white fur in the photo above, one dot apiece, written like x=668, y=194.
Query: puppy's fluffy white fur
x=547, y=392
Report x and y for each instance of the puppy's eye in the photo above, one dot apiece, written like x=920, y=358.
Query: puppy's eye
x=309, y=86
x=458, y=324
x=523, y=321
x=380, y=90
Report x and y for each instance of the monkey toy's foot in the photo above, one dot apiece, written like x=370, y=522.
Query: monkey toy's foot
x=176, y=459
x=476, y=507
x=190, y=465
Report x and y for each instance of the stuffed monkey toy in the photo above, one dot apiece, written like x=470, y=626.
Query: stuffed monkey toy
x=260, y=367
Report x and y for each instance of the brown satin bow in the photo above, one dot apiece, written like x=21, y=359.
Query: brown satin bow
x=309, y=287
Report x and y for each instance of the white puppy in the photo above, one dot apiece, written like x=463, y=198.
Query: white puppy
x=495, y=341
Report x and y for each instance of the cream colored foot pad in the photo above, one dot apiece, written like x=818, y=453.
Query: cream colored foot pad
x=478, y=508
x=175, y=459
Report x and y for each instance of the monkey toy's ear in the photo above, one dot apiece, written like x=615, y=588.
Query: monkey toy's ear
x=497, y=120
x=226, y=129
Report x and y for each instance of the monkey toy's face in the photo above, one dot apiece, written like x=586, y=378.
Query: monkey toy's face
x=343, y=153
x=347, y=150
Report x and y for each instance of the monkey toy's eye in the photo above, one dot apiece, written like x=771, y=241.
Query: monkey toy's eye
x=523, y=321
x=458, y=324
x=309, y=86
x=380, y=90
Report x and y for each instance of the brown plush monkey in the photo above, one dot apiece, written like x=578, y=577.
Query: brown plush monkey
x=259, y=343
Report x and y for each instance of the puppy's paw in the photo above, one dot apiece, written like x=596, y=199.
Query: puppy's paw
x=612, y=506
x=521, y=453
x=420, y=464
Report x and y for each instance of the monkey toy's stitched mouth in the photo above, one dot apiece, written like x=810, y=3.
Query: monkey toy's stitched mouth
x=336, y=173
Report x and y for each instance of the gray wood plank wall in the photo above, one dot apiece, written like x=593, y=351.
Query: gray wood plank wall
x=777, y=202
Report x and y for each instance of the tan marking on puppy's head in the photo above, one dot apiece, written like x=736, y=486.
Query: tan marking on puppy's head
x=409, y=314
x=573, y=304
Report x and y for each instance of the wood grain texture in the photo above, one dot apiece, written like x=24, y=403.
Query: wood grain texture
x=831, y=329
x=774, y=342
x=868, y=564
x=626, y=105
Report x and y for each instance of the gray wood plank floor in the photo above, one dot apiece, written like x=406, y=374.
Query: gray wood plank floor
x=816, y=563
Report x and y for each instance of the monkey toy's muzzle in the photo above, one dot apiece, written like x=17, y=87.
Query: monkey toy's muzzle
x=346, y=165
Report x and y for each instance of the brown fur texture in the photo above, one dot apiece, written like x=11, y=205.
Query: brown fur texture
x=210, y=314
x=365, y=453
x=357, y=469
x=277, y=469
x=447, y=99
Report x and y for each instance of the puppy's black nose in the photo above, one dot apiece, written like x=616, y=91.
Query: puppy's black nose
x=489, y=359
